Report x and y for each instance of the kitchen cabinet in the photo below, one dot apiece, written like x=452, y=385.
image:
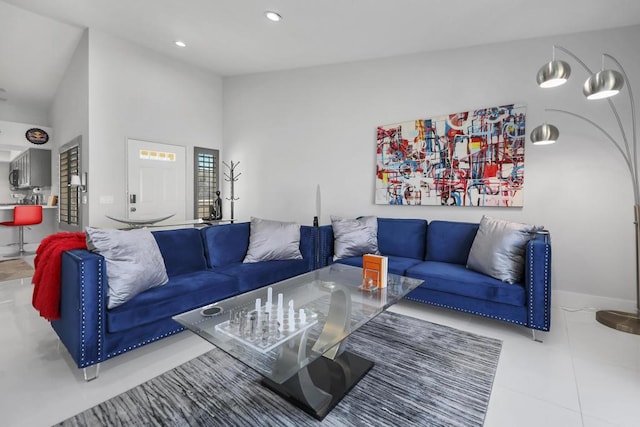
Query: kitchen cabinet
x=31, y=169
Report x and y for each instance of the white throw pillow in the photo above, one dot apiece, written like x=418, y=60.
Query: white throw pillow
x=134, y=261
x=273, y=240
x=499, y=247
x=354, y=237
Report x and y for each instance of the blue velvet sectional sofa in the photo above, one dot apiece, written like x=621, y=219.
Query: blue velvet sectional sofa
x=437, y=252
x=203, y=265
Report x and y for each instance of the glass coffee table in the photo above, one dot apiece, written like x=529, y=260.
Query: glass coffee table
x=294, y=332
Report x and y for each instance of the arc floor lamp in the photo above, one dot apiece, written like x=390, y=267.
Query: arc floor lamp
x=601, y=85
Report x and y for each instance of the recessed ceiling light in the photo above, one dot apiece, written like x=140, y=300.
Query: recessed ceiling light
x=273, y=16
x=181, y=44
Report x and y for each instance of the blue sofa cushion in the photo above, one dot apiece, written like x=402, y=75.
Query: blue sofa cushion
x=457, y=279
x=397, y=265
x=226, y=244
x=402, y=237
x=182, y=250
x=256, y=275
x=449, y=241
x=182, y=293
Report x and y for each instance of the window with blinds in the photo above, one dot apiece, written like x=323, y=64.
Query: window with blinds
x=69, y=165
x=206, y=181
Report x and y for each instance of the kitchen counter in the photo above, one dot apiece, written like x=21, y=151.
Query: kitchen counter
x=10, y=207
x=6, y=211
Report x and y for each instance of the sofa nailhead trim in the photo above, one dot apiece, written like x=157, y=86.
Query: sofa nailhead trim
x=84, y=323
x=545, y=326
x=466, y=311
x=101, y=310
x=546, y=287
x=531, y=278
x=131, y=347
x=83, y=353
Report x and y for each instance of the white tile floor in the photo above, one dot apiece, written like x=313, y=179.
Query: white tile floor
x=583, y=374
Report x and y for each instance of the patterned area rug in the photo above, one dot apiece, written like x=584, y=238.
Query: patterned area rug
x=425, y=374
x=15, y=269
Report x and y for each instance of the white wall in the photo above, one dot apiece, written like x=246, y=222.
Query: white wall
x=70, y=111
x=20, y=114
x=293, y=130
x=12, y=136
x=137, y=93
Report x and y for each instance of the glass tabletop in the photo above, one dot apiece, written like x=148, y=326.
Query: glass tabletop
x=279, y=329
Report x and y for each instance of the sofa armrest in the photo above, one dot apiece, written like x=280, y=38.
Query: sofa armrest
x=308, y=244
x=83, y=303
x=325, y=245
x=538, y=281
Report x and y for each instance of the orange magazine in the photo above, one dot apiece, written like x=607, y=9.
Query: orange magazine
x=374, y=269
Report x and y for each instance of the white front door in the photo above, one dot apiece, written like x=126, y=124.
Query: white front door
x=156, y=181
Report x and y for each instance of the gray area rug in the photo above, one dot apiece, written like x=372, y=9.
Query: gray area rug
x=424, y=375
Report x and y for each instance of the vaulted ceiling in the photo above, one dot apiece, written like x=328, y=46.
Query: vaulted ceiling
x=231, y=37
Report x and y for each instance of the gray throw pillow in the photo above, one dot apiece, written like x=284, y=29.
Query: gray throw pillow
x=499, y=247
x=134, y=261
x=273, y=240
x=354, y=237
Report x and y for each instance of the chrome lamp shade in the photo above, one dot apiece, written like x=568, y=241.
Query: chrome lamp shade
x=544, y=134
x=554, y=73
x=603, y=84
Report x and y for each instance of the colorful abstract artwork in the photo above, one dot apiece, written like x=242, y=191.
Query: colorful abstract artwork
x=474, y=158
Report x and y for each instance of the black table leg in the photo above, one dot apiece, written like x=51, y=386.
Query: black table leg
x=320, y=386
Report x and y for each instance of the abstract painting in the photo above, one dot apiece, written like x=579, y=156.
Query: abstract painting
x=473, y=158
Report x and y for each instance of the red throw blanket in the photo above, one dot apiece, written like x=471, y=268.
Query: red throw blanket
x=47, y=276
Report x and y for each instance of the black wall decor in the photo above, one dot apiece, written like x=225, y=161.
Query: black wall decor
x=37, y=136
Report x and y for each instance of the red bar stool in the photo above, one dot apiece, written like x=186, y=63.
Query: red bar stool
x=24, y=215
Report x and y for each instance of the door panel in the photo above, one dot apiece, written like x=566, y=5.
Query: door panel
x=156, y=180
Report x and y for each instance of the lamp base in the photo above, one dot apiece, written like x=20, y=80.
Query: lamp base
x=620, y=320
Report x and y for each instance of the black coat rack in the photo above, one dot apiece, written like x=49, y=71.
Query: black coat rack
x=231, y=177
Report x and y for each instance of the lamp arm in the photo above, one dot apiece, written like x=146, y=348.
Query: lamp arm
x=632, y=172
x=633, y=114
x=611, y=104
x=573, y=55
x=625, y=140
x=630, y=158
